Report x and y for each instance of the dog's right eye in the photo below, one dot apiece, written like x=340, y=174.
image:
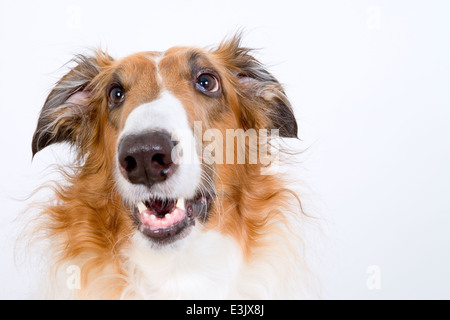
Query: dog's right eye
x=116, y=95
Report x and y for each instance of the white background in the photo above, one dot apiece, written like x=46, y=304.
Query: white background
x=369, y=80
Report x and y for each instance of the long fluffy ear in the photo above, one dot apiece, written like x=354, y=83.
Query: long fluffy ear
x=65, y=112
x=263, y=93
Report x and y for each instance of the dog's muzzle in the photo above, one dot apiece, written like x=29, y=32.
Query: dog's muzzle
x=146, y=160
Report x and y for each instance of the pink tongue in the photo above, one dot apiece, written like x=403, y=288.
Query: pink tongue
x=162, y=207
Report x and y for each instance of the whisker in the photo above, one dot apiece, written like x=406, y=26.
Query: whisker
x=212, y=191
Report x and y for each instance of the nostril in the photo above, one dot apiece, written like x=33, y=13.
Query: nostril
x=161, y=159
x=130, y=163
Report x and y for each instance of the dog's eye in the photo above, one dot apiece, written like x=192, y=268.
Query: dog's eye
x=208, y=84
x=116, y=95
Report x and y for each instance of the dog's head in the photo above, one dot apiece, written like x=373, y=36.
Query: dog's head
x=137, y=117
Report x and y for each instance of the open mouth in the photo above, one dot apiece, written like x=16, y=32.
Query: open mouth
x=168, y=220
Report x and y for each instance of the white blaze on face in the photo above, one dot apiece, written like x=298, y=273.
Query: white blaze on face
x=164, y=114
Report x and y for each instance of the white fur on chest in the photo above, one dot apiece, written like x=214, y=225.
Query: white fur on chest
x=205, y=266
x=210, y=265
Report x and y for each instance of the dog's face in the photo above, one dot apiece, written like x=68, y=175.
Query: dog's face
x=137, y=117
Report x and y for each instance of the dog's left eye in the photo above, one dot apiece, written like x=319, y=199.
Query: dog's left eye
x=116, y=95
x=208, y=84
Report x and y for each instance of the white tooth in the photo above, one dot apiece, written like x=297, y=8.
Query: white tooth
x=141, y=207
x=167, y=215
x=152, y=217
x=180, y=203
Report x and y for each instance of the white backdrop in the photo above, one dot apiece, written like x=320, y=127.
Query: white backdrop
x=369, y=80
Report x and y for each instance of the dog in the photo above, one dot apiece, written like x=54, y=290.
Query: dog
x=149, y=210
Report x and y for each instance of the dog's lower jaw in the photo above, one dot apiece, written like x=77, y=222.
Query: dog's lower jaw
x=167, y=221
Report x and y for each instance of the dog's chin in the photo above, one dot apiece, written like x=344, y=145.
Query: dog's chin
x=166, y=221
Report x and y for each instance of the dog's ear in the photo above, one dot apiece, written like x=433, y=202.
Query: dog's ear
x=263, y=94
x=65, y=113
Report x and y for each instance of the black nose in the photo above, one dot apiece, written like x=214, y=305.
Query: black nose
x=146, y=158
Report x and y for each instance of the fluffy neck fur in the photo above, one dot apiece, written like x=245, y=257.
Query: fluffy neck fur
x=249, y=248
